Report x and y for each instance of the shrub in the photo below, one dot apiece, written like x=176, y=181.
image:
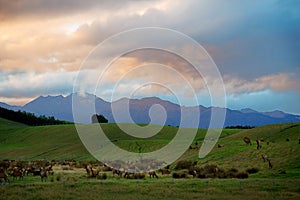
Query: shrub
x=231, y=173
x=242, y=175
x=201, y=175
x=234, y=170
x=222, y=175
x=211, y=169
x=252, y=170
x=185, y=164
x=179, y=175
x=139, y=176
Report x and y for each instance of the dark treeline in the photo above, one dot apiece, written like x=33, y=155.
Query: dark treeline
x=239, y=127
x=99, y=119
x=29, y=118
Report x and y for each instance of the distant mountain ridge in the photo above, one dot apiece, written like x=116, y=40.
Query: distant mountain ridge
x=61, y=108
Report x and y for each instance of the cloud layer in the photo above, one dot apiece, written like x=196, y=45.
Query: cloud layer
x=43, y=43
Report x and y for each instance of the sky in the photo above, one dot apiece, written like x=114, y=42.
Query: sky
x=254, y=44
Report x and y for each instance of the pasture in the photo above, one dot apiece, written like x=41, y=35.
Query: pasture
x=58, y=143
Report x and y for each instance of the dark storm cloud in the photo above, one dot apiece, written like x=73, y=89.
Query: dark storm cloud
x=252, y=38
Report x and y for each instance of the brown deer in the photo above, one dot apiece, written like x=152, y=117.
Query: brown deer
x=91, y=172
x=3, y=175
x=247, y=140
x=43, y=174
x=270, y=164
x=264, y=157
x=152, y=174
x=164, y=171
x=117, y=171
x=17, y=173
x=258, y=142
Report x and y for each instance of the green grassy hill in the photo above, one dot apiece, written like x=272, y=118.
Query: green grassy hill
x=59, y=142
x=284, y=155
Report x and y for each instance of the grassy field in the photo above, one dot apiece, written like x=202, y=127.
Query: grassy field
x=61, y=142
x=73, y=184
x=156, y=189
x=21, y=142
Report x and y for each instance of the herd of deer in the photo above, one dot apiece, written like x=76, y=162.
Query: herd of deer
x=265, y=158
x=129, y=174
x=18, y=172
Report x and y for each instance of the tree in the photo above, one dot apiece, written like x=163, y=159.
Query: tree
x=99, y=119
x=29, y=118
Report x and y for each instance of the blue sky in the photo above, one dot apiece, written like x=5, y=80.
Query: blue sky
x=255, y=45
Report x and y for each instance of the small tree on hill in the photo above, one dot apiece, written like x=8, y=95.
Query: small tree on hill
x=99, y=119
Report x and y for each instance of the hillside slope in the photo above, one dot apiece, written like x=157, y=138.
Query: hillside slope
x=9, y=126
x=234, y=153
x=61, y=142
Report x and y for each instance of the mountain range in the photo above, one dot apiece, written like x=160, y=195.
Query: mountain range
x=142, y=111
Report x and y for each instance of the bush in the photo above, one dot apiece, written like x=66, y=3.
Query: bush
x=211, y=169
x=242, y=175
x=185, y=164
x=179, y=175
x=139, y=176
x=201, y=175
x=252, y=170
x=234, y=170
x=222, y=175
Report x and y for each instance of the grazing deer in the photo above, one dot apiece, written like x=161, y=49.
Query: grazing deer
x=153, y=174
x=164, y=171
x=270, y=164
x=43, y=174
x=117, y=171
x=3, y=175
x=17, y=173
x=91, y=172
x=258, y=142
x=247, y=140
x=264, y=157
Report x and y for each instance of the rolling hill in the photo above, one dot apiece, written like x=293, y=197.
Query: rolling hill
x=61, y=142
